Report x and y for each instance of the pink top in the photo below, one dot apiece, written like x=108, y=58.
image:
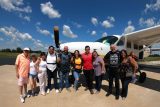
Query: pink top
x=87, y=61
x=23, y=65
x=97, y=66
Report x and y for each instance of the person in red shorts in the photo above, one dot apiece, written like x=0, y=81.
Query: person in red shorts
x=88, y=68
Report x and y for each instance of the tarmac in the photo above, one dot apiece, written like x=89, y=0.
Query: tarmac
x=145, y=94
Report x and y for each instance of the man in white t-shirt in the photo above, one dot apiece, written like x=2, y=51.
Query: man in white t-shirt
x=52, y=70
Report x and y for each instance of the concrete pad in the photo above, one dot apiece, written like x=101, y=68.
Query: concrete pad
x=140, y=95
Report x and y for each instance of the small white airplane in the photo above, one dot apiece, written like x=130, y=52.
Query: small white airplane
x=136, y=41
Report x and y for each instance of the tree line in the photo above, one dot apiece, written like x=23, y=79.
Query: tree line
x=17, y=50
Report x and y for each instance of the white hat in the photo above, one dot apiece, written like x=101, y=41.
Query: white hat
x=26, y=49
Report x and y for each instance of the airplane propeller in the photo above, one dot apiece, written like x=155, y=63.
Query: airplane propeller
x=56, y=36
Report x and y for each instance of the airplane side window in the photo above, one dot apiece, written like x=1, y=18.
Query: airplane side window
x=135, y=46
x=120, y=43
x=128, y=44
x=113, y=40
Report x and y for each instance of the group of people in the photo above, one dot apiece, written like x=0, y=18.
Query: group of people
x=58, y=65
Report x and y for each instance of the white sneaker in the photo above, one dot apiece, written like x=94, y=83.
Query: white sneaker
x=28, y=95
x=43, y=93
x=97, y=92
x=57, y=91
x=48, y=91
x=21, y=99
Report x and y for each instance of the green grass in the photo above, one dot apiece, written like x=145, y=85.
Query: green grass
x=152, y=58
x=8, y=55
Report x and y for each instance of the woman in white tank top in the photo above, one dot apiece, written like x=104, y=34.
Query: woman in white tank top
x=33, y=75
x=42, y=72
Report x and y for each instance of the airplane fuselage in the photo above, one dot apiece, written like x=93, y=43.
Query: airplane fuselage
x=101, y=46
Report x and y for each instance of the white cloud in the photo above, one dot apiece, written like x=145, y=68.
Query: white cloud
x=38, y=23
x=27, y=18
x=104, y=34
x=111, y=18
x=20, y=39
x=148, y=22
x=15, y=5
x=153, y=7
x=67, y=32
x=77, y=24
x=107, y=24
x=37, y=44
x=130, y=28
x=93, y=33
x=47, y=9
x=38, y=40
x=25, y=36
x=94, y=21
x=129, y=22
x=43, y=31
x=15, y=34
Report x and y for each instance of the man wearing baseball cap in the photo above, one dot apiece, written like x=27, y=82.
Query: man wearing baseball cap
x=22, y=65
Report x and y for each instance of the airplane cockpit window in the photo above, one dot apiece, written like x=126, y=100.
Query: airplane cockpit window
x=108, y=40
x=120, y=42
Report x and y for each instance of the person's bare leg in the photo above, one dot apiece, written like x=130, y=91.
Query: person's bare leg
x=31, y=84
x=34, y=85
x=25, y=88
x=20, y=90
x=21, y=94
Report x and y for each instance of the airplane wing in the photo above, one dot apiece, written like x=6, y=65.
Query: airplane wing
x=146, y=37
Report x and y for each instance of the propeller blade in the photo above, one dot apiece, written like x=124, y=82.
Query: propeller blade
x=56, y=36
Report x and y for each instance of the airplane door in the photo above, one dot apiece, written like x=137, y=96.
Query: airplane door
x=141, y=53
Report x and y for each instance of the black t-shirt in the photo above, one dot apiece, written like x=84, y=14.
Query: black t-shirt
x=113, y=58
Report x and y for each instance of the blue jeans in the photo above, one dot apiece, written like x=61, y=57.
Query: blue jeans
x=98, y=82
x=64, y=77
x=125, y=83
x=76, y=76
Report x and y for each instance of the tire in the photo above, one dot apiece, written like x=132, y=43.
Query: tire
x=142, y=77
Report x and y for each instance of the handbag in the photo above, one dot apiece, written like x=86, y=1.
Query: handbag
x=129, y=73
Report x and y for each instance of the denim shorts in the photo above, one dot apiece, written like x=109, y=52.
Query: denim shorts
x=33, y=76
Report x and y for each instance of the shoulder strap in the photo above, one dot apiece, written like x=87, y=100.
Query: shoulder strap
x=56, y=57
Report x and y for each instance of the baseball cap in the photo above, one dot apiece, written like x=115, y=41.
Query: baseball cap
x=26, y=49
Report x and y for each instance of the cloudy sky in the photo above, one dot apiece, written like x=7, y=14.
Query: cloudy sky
x=30, y=22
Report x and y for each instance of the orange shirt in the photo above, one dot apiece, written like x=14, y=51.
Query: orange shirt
x=23, y=65
x=78, y=63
